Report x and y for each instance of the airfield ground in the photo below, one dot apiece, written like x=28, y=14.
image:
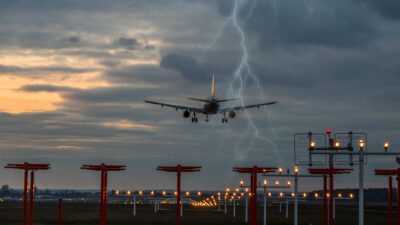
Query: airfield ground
x=87, y=214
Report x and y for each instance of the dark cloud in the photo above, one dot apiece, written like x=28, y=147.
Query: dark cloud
x=45, y=88
x=296, y=23
x=72, y=39
x=128, y=43
x=388, y=9
x=328, y=64
x=40, y=69
x=187, y=66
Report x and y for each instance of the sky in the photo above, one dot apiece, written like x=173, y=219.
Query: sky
x=74, y=75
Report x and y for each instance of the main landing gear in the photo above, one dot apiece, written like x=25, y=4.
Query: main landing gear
x=224, y=120
x=194, y=119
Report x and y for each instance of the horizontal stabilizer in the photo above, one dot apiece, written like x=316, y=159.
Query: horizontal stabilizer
x=197, y=99
x=225, y=100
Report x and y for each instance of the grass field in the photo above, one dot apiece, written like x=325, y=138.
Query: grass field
x=87, y=214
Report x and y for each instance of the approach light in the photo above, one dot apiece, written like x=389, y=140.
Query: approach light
x=293, y=194
x=265, y=182
x=337, y=144
x=116, y=192
x=276, y=183
x=128, y=192
x=281, y=194
x=241, y=183
x=296, y=170
x=386, y=145
x=140, y=192
x=269, y=194
x=237, y=189
x=351, y=195
x=280, y=170
x=187, y=193
x=316, y=195
x=164, y=193
x=304, y=195
x=175, y=193
x=228, y=190
x=289, y=183
x=339, y=195
x=151, y=192
x=199, y=193
x=312, y=145
x=219, y=194
x=361, y=144
x=246, y=190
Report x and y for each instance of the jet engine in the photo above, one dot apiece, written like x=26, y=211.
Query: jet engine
x=232, y=114
x=186, y=114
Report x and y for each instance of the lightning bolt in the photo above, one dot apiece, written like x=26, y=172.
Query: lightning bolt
x=239, y=81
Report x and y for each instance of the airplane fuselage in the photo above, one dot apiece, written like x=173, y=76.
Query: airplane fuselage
x=211, y=107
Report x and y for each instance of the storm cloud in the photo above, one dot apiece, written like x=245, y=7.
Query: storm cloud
x=328, y=64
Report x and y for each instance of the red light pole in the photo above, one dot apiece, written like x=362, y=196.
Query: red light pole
x=328, y=172
x=28, y=167
x=253, y=186
x=390, y=173
x=178, y=169
x=103, y=186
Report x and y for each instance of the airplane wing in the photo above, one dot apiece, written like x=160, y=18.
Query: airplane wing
x=223, y=110
x=191, y=109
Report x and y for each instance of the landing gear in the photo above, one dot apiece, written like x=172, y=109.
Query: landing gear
x=194, y=119
x=224, y=120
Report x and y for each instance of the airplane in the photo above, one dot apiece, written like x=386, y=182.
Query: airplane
x=211, y=107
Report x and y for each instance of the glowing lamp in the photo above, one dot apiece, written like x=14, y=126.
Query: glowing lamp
x=337, y=144
x=296, y=170
x=280, y=170
x=187, y=193
x=277, y=183
x=281, y=194
x=293, y=194
x=289, y=183
x=328, y=131
x=199, y=193
x=140, y=192
x=265, y=182
x=386, y=146
x=312, y=145
x=241, y=183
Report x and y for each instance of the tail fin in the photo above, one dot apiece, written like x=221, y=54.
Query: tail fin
x=212, y=87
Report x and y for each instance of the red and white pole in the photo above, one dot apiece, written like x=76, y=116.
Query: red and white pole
x=105, y=198
x=25, y=197
x=102, y=198
x=59, y=211
x=32, y=189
